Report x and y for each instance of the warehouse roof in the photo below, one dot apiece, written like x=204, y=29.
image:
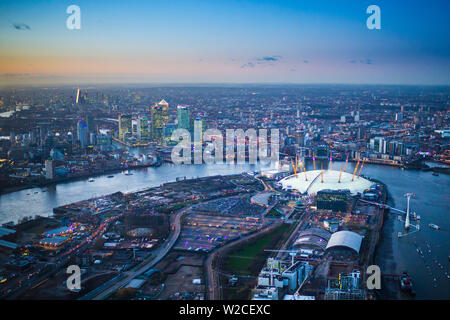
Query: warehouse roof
x=314, y=237
x=346, y=239
x=5, y=231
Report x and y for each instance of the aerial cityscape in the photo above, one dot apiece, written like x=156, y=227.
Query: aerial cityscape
x=223, y=178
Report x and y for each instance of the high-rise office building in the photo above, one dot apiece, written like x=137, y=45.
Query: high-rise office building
x=168, y=130
x=378, y=144
x=124, y=125
x=183, y=117
x=82, y=134
x=160, y=117
x=78, y=96
x=198, y=125
x=104, y=138
x=90, y=123
x=49, y=169
x=143, y=130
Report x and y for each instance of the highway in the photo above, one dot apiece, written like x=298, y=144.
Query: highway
x=101, y=293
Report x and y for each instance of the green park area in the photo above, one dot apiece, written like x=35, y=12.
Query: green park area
x=248, y=258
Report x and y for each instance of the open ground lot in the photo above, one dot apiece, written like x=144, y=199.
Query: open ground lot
x=203, y=233
x=179, y=271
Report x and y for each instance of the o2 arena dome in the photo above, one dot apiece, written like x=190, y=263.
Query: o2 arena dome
x=311, y=182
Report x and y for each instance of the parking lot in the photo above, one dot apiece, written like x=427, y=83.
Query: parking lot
x=203, y=233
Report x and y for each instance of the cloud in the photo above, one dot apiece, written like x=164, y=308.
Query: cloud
x=305, y=61
x=269, y=59
x=266, y=60
x=21, y=26
x=366, y=61
x=248, y=65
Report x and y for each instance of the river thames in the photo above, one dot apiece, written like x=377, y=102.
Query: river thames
x=432, y=203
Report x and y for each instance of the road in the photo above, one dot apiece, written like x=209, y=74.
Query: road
x=143, y=266
x=267, y=186
x=294, y=233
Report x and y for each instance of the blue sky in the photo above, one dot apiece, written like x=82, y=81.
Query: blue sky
x=226, y=41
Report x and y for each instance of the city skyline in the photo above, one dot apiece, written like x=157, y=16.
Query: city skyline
x=231, y=42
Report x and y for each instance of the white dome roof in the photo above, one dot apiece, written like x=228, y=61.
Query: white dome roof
x=311, y=182
x=347, y=239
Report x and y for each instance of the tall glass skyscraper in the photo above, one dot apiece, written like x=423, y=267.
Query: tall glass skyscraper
x=82, y=133
x=124, y=125
x=160, y=117
x=183, y=117
x=143, y=130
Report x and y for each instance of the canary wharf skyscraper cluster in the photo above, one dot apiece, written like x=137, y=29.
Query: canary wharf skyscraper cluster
x=153, y=125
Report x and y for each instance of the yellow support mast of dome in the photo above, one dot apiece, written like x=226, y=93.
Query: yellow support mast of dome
x=346, y=161
x=356, y=168
x=362, y=165
x=293, y=167
x=321, y=172
x=314, y=161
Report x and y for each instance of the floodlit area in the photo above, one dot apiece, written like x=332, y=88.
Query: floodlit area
x=311, y=182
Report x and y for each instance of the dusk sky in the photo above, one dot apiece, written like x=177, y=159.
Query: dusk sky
x=228, y=41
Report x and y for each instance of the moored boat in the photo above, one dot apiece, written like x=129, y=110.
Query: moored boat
x=434, y=226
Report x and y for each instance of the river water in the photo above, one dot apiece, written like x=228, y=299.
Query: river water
x=432, y=203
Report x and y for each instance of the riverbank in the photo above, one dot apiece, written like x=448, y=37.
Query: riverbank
x=47, y=183
x=384, y=251
x=431, y=203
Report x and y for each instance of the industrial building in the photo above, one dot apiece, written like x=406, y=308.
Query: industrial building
x=346, y=287
x=279, y=277
x=58, y=232
x=347, y=240
x=313, y=238
x=336, y=200
x=54, y=243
